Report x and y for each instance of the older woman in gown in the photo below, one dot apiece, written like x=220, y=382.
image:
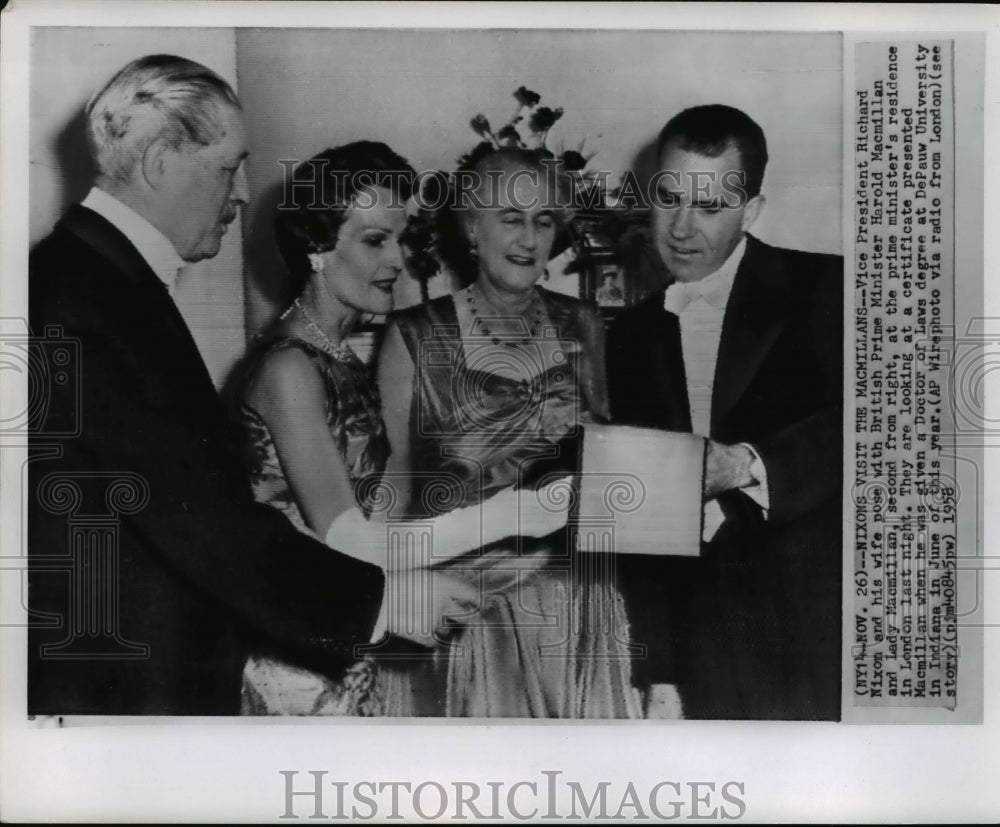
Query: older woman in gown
x=489, y=387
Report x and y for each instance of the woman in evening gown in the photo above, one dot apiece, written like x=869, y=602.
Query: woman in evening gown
x=489, y=387
x=315, y=440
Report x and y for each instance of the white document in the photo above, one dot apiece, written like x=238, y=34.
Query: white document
x=641, y=491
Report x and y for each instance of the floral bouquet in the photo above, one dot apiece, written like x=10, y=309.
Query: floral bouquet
x=537, y=120
x=432, y=235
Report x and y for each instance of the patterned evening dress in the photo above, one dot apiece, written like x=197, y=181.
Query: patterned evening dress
x=273, y=685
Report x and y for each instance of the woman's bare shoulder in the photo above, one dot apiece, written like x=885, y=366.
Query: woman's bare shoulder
x=286, y=374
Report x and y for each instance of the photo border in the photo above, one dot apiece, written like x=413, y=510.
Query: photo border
x=196, y=769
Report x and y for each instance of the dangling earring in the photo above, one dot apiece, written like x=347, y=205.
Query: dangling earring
x=316, y=262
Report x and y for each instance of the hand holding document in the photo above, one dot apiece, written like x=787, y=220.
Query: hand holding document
x=525, y=512
x=640, y=492
x=414, y=544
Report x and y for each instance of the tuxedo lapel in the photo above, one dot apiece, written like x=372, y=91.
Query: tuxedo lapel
x=165, y=335
x=669, y=377
x=756, y=313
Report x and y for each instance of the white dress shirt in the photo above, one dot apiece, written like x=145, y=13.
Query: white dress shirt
x=152, y=245
x=701, y=308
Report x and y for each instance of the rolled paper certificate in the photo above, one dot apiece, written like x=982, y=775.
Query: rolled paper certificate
x=640, y=491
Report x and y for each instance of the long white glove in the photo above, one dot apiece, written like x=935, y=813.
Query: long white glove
x=411, y=544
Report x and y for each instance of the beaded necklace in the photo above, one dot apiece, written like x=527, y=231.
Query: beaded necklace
x=508, y=340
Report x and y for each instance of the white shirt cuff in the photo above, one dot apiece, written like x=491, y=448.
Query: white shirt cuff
x=758, y=492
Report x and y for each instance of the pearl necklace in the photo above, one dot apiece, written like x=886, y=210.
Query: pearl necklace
x=341, y=352
x=511, y=340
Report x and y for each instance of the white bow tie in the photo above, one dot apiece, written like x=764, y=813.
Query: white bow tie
x=680, y=294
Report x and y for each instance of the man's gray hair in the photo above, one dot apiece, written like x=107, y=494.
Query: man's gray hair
x=158, y=96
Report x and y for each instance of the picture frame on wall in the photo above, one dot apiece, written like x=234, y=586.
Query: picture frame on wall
x=615, y=258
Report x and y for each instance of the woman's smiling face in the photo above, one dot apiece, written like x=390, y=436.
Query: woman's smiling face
x=362, y=269
x=514, y=232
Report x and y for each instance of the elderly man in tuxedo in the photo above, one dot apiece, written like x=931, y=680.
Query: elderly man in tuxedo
x=744, y=347
x=152, y=568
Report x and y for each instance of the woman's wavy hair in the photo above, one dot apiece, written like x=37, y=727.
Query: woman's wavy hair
x=469, y=190
x=321, y=190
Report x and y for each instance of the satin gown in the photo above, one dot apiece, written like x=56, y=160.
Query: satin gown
x=550, y=639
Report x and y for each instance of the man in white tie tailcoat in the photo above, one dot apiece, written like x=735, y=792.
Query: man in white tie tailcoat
x=744, y=347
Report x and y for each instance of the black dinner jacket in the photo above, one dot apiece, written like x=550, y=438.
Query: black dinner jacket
x=753, y=625
x=196, y=571
x=778, y=379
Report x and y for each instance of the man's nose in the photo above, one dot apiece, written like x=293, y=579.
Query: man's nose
x=241, y=189
x=681, y=226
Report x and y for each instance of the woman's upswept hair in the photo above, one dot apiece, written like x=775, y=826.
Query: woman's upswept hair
x=321, y=190
x=474, y=186
x=155, y=97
